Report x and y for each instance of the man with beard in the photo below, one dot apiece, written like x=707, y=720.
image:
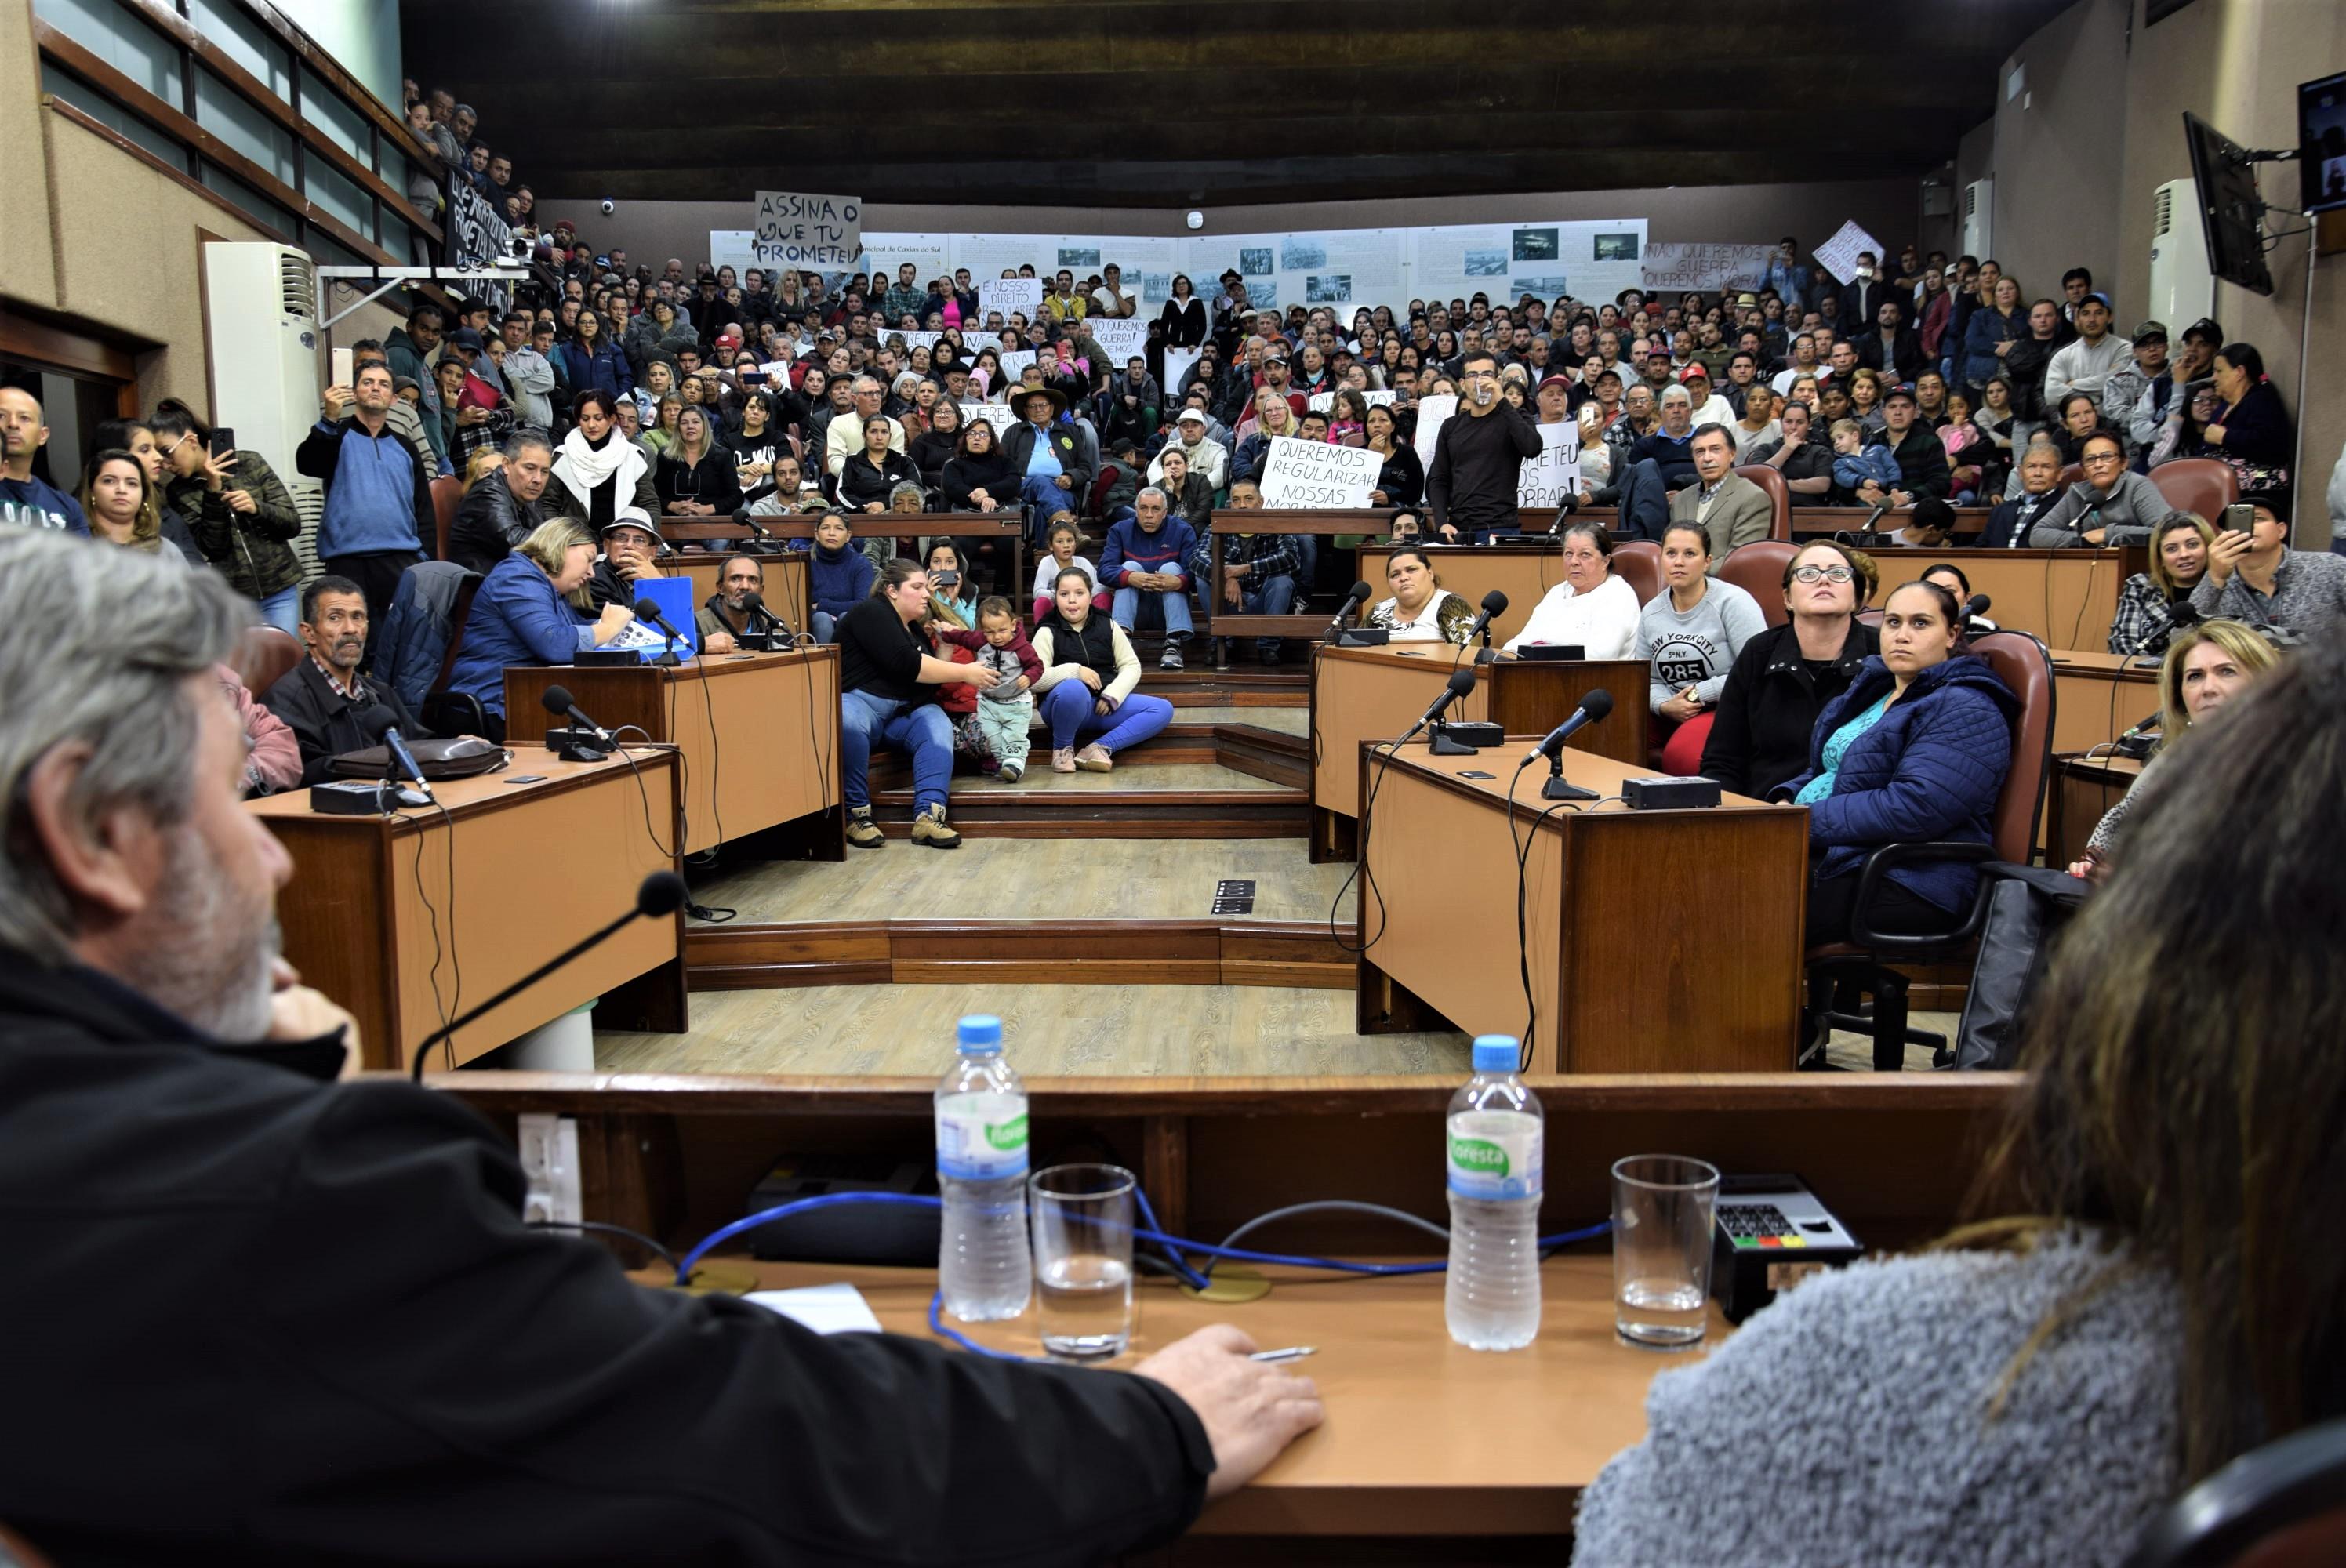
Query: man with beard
x=328, y=1335
x=724, y=618
x=324, y=699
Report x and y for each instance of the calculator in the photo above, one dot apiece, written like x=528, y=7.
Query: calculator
x=1771, y=1232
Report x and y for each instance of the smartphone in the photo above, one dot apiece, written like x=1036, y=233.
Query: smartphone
x=2239, y=517
x=342, y=371
x=223, y=442
x=751, y=378
x=527, y=779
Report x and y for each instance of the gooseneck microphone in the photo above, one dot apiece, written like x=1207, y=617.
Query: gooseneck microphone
x=660, y=893
x=397, y=759
x=586, y=740
x=1460, y=683
x=1495, y=603
x=1352, y=601
x=1977, y=605
x=1593, y=706
x=648, y=610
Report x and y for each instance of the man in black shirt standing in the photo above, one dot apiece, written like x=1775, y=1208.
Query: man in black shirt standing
x=259, y=1315
x=1478, y=459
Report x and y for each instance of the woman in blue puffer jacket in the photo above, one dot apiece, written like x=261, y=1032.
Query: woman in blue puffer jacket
x=1913, y=752
x=591, y=359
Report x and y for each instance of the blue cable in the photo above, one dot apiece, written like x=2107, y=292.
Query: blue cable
x=1189, y=1276
x=1171, y=1244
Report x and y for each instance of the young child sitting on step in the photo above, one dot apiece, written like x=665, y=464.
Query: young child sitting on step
x=1005, y=711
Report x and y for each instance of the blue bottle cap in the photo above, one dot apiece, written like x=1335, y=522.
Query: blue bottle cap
x=981, y=1035
x=1497, y=1054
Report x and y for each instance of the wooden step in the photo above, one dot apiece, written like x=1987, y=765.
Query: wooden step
x=1241, y=685
x=1050, y=804
x=1271, y=753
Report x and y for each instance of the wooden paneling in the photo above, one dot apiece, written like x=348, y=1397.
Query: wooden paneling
x=2098, y=697
x=786, y=581
x=2082, y=789
x=1035, y=952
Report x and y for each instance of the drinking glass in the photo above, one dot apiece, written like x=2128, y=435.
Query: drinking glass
x=1662, y=1209
x=1082, y=1216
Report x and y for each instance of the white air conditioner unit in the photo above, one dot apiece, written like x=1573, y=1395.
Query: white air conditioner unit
x=260, y=316
x=1979, y=210
x=2182, y=290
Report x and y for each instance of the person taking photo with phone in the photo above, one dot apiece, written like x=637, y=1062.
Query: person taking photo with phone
x=240, y=512
x=2254, y=577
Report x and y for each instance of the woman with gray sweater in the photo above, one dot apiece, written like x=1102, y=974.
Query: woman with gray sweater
x=2158, y=1292
x=2111, y=505
x=1689, y=635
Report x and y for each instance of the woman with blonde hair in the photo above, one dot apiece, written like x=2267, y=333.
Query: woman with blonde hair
x=2144, y=618
x=483, y=462
x=2205, y=665
x=525, y=612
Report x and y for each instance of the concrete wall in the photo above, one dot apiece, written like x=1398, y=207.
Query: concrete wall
x=654, y=231
x=2059, y=149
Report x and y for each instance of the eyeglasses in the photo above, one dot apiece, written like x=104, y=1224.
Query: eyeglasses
x=1822, y=574
x=2096, y=459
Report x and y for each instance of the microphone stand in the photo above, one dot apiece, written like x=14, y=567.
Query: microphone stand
x=1558, y=788
x=423, y=1051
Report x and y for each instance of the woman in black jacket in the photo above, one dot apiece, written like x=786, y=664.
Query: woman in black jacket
x=1184, y=315
x=1401, y=482
x=695, y=478
x=867, y=479
x=1784, y=677
x=979, y=478
x=2253, y=428
x=935, y=447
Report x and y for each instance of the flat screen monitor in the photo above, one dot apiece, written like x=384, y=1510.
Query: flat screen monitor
x=2321, y=143
x=2231, y=213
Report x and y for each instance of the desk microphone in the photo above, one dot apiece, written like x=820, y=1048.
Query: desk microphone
x=648, y=609
x=380, y=727
x=1352, y=601
x=1593, y=706
x=1460, y=683
x=586, y=740
x=557, y=703
x=1495, y=603
x=1977, y=605
x=660, y=893
x=753, y=605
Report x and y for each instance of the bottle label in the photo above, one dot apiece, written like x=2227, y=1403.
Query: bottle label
x=1494, y=1154
x=982, y=1137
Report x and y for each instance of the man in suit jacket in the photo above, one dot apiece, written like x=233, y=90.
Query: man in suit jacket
x=1735, y=510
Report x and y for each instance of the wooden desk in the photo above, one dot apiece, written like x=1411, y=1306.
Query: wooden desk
x=1524, y=573
x=971, y=530
x=1815, y=522
x=2082, y=789
x=1423, y=1438
x=1659, y=940
x=1364, y=695
x=369, y=918
x=758, y=734
x=786, y=592
x=2098, y=697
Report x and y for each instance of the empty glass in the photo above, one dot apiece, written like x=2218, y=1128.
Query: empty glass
x=1082, y=1216
x=1662, y=1209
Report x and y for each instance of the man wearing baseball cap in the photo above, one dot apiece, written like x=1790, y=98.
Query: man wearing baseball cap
x=1922, y=461
x=2127, y=384
x=2194, y=352
x=2085, y=365
x=1206, y=455
x=1710, y=407
x=1554, y=400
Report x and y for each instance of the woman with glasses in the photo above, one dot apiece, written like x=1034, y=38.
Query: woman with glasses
x=2111, y=505
x=1783, y=677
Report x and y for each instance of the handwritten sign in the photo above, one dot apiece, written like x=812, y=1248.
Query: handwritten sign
x=913, y=339
x=1838, y=255
x=1177, y=366
x=800, y=229
x=1013, y=365
x=1704, y=268
x=1008, y=294
x=1325, y=403
x=1000, y=415
x=1315, y=476
x=1120, y=339
x=1432, y=414
x=1545, y=480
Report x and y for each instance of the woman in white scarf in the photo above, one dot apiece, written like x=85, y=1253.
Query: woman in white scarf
x=597, y=470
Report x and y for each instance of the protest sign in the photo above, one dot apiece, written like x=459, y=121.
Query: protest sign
x=813, y=233
x=997, y=414
x=1008, y=294
x=913, y=339
x=1176, y=365
x=1431, y=413
x=1838, y=255
x=1325, y=402
x=1676, y=267
x=1120, y=339
x=1013, y=365
x=1544, y=480
x=1314, y=475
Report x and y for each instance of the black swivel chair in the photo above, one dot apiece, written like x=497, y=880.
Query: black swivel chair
x=2282, y=1506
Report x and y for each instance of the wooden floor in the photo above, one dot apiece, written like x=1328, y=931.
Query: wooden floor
x=1145, y=1031
x=1020, y=879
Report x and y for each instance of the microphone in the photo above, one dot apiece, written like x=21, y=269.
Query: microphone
x=1495, y=603
x=1460, y=683
x=648, y=609
x=1977, y=605
x=1871, y=519
x=1352, y=601
x=557, y=702
x=1593, y=706
x=380, y=727
x=660, y=893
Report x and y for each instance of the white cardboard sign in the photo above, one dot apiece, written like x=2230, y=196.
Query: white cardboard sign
x=1313, y=475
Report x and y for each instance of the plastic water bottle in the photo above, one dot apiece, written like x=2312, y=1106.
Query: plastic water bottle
x=983, y=1265
x=1491, y=1295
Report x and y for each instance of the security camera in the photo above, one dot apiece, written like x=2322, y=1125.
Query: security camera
x=609, y=207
